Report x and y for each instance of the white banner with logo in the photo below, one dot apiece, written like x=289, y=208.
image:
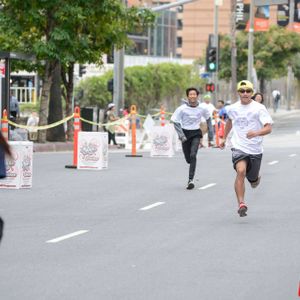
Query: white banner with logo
x=162, y=141
x=19, y=166
x=92, y=150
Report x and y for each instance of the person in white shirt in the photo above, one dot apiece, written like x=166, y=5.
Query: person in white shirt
x=249, y=121
x=276, y=98
x=33, y=120
x=186, y=119
x=203, y=125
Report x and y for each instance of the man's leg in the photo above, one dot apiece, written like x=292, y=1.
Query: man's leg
x=186, y=148
x=193, y=156
x=1, y=228
x=239, y=186
x=254, y=169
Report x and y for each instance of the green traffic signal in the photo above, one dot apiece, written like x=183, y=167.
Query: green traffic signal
x=212, y=67
x=211, y=59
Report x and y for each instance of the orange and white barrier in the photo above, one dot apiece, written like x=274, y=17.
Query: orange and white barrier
x=216, y=129
x=162, y=116
x=77, y=128
x=133, y=132
x=4, y=124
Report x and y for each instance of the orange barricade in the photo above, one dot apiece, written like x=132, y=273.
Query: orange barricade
x=222, y=128
x=162, y=116
x=77, y=128
x=133, y=132
x=4, y=125
x=216, y=129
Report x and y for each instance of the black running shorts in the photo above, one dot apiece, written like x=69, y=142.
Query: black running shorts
x=253, y=163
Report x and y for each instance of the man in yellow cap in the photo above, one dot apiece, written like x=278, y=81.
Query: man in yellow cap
x=249, y=121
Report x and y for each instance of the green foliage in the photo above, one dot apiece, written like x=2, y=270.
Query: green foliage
x=92, y=91
x=68, y=30
x=29, y=107
x=296, y=65
x=146, y=86
x=273, y=51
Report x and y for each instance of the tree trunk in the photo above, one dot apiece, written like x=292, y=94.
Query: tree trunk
x=68, y=82
x=57, y=133
x=262, y=85
x=44, y=105
x=297, y=100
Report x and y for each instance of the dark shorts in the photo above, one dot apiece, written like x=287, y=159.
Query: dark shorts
x=253, y=163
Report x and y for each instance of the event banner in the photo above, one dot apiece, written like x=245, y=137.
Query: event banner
x=92, y=150
x=19, y=166
x=162, y=141
x=261, y=16
x=283, y=15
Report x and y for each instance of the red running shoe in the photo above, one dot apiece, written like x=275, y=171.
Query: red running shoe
x=242, y=210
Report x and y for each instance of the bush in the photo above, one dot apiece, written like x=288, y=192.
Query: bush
x=146, y=86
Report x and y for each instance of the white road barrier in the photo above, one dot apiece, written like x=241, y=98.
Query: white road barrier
x=19, y=166
x=92, y=150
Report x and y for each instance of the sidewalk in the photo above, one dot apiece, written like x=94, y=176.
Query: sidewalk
x=64, y=147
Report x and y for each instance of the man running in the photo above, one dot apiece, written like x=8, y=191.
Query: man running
x=186, y=119
x=250, y=121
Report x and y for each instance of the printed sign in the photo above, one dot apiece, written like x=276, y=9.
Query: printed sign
x=19, y=166
x=162, y=141
x=92, y=150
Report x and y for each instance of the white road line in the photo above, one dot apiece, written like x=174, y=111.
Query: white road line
x=292, y=155
x=67, y=236
x=274, y=162
x=152, y=205
x=207, y=186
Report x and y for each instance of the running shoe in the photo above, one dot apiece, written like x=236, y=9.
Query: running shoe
x=190, y=184
x=242, y=210
x=255, y=183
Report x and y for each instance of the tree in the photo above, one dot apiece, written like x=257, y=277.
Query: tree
x=66, y=32
x=296, y=69
x=146, y=86
x=273, y=51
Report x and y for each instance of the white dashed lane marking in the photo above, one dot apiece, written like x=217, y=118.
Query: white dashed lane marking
x=67, y=236
x=274, y=162
x=292, y=155
x=152, y=205
x=207, y=186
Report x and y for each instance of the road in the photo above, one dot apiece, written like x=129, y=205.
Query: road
x=134, y=232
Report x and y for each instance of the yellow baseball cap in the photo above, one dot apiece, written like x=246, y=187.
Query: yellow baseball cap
x=245, y=84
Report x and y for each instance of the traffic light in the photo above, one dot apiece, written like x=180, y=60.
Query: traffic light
x=82, y=70
x=210, y=87
x=211, y=59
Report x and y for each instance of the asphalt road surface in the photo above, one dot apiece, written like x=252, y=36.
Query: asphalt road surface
x=134, y=232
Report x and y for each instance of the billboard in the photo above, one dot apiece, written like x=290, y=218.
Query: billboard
x=261, y=16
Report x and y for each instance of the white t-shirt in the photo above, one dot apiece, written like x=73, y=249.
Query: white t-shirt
x=211, y=108
x=189, y=117
x=275, y=93
x=245, y=118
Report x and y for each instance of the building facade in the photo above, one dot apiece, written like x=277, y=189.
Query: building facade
x=195, y=21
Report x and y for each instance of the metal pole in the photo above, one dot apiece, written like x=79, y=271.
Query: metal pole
x=118, y=92
x=250, y=42
x=233, y=51
x=216, y=44
x=289, y=68
x=7, y=86
x=292, y=12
